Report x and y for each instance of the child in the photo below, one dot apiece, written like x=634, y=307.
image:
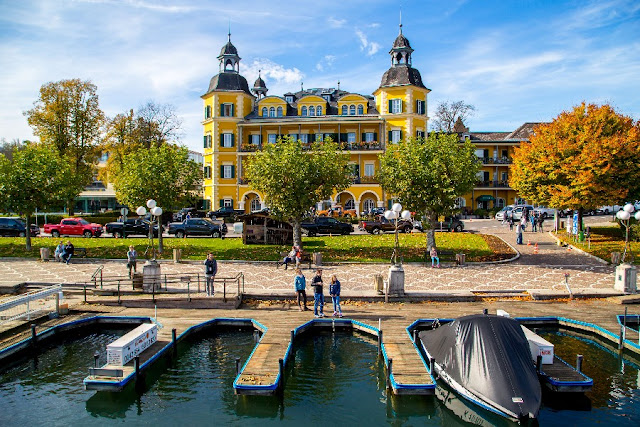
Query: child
x=318, y=295
x=300, y=283
x=435, y=261
x=334, y=291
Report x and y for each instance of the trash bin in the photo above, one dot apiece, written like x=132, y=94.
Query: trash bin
x=317, y=258
x=615, y=258
x=378, y=283
x=177, y=256
x=460, y=259
x=44, y=254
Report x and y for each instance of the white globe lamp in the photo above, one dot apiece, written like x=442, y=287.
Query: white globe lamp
x=151, y=203
x=142, y=211
x=390, y=215
x=628, y=208
x=637, y=216
x=157, y=211
x=406, y=215
x=623, y=215
x=397, y=207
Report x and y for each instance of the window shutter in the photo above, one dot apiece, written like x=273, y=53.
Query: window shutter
x=209, y=141
x=233, y=171
x=205, y=141
x=221, y=110
x=363, y=137
x=375, y=136
x=221, y=140
x=390, y=106
x=221, y=171
x=400, y=136
x=233, y=139
x=233, y=110
x=222, y=203
x=390, y=137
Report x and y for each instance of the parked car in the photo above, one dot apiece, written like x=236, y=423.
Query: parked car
x=14, y=226
x=545, y=212
x=338, y=211
x=181, y=215
x=225, y=212
x=517, y=211
x=130, y=227
x=197, y=227
x=374, y=212
x=380, y=224
x=502, y=213
x=449, y=223
x=74, y=227
x=326, y=225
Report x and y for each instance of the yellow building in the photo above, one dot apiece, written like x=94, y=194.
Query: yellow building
x=237, y=123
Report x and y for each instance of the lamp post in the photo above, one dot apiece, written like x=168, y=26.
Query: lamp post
x=151, y=269
x=155, y=211
x=624, y=216
x=396, y=272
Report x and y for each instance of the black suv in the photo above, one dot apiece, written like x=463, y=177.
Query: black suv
x=449, y=223
x=16, y=227
x=197, y=227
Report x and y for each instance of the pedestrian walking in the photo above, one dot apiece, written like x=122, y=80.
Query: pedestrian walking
x=334, y=291
x=534, y=222
x=68, y=252
x=435, y=260
x=300, y=283
x=510, y=221
x=59, y=252
x=132, y=259
x=523, y=223
x=318, y=295
x=519, y=233
x=210, y=271
x=540, y=222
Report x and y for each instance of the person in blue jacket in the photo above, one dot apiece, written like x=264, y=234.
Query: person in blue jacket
x=300, y=283
x=334, y=291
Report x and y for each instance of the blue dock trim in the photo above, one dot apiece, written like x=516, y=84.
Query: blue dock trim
x=554, y=382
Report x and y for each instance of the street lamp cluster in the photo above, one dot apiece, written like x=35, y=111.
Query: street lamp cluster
x=155, y=211
x=396, y=213
x=624, y=216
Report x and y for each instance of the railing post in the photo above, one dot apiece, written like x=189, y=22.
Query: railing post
x=165, y=282
x=85, y=293
x=198, y=285
x=101, y=278
x=28, y=310
x=379, y=342
x=153, y=291
x=58, y=303
x=389, y=372
x=188, y=292
x=224, y=290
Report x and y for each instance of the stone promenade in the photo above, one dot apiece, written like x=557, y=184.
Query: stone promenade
x=542, y=272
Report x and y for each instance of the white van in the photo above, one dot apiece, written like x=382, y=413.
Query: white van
x=517, y=211
x=502, y=213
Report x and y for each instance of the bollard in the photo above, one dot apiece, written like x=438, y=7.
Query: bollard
x=34, y=336
x=621, y=340
x=538, y=363
x=96, y=356
x=579, y=363
x=85, y=293
x=237, y=366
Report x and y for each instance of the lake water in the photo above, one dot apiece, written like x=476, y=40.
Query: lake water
x=332, y=379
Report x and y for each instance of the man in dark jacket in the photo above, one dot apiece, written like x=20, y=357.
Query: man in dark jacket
x=210, y=271
x=318, y=296
x=68, y=252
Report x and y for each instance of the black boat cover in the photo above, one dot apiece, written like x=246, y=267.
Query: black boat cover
x=489, y=356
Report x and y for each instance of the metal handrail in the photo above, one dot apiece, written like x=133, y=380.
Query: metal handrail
x=95, y=273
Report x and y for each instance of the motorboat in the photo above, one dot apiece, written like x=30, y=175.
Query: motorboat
x=486, y=359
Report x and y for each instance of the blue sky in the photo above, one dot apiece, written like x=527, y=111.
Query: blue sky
x=515, y=61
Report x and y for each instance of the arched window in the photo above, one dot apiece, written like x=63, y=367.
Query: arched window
x=319, y=110
x=279, y=111
x=350, y=204
x=272, y=112
x=228, y=65
x=368, y=205
x=304, y=111
x=312, y=111
x=264, y=112
x=360, y=110
x=344, y=110
x=352, y=110
x=255, y=204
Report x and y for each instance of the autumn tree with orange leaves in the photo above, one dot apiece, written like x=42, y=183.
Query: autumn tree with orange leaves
x=584, y=158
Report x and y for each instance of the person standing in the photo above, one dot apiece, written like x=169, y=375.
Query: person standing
x=334, y=291
x=210, y=271
x=519, y=233
x=68, y=251
x=510, y=221
x=435, y=260
x=132, y=260
x=300, y=283
x=318, y=295
x=534, y=222
x=540, y=221
x=58, y=254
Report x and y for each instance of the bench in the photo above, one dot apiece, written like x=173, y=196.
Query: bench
x=80, y=252
x=305, y=259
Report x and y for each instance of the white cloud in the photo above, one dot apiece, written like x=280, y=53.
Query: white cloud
x=326, y=62
x=336, y=23
x=374, y=25
x=365, y=45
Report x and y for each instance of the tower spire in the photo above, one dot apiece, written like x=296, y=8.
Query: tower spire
x=400, y=20
x=230, y=29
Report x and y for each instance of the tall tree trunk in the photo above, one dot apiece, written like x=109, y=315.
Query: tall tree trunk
x=430, y=230
x=160, y=245
x=297, y=232
x=28, y=231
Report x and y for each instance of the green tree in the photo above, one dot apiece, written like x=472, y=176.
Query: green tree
x=584, y=158
x=293, y=180
x=68, y=116
x=32, y=179
x=164, y=173
x=427, y=175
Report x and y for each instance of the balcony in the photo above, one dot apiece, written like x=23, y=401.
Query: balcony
x=364, y=180
x=497, y=161
x=361, y=146
x=249, y=148
x=492, y=184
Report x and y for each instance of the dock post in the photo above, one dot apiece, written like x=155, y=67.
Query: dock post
x=579, y=363
x=85, y=293
x=96, y=356
x=58, y=303
x=119, y=301
x=198, y=284
x=538, y=363
x=224, y=290
x=188, y=292
x=136, y=364
x=621, y=340
x=174, y=342
x=293, y=335
x=389, y=369
x=380, y=342
x=415, y=335
x=624, y=324
x=237, y=366
x=281, y=373
x=333, y=325
x=165, y=282
x=34, y=335
x=432, y=364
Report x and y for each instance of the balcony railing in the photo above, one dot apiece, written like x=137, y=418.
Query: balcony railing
x=497, y=161
x=248, y=148
x=364, y=180
x=493, y=184
x=361, y=146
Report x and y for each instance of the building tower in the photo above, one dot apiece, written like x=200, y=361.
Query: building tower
x=259, y=87
x=226, y=102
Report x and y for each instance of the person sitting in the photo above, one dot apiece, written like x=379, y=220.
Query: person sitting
x=291, y=257
x=59, y=252
x=68, y=252
x=435, y=260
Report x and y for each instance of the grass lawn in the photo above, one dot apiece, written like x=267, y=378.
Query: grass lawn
x=604, y=240
x=354, y=248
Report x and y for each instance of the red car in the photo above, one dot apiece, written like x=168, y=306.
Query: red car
x=74, y=227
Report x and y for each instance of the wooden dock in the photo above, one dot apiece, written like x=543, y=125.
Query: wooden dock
x=561, y=377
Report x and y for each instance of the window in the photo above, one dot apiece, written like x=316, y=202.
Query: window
x=318, y=137
x=304, y=111
x=279, y=112
x=369, y=137
x=226, y=110
x=500, y=202
x=288, y=98
x=369, y=169
x=352, y=110
x=255, y=204
x=293, y=136
x=460, y=202
x=207, y=172
x=344, y=110
x=227, y=203
x=272, y=112
x=227, y=171
x=395, y=106
x=319, y=111
x=207, y=141
x=368, y=205
x=273, y=138
x=504, y=176
x=255, y=139
x=227, y=140
x=264, y=112
x=304, y=138
x=351, y=137
x=396, y=136
x=350, y=204
x=360, y=110
x=421, y=107
x=207, y=112
x=312, y=111
x=420, y=134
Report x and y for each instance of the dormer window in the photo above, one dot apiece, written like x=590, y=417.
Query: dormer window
x=312, y=111
x=303, y=111
x=279, y=112
x=264, y=112
x=344, y=110
x=319, y=110
x=352, y=110
x=360, y=110
x=272, y=112
x=289, y=98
